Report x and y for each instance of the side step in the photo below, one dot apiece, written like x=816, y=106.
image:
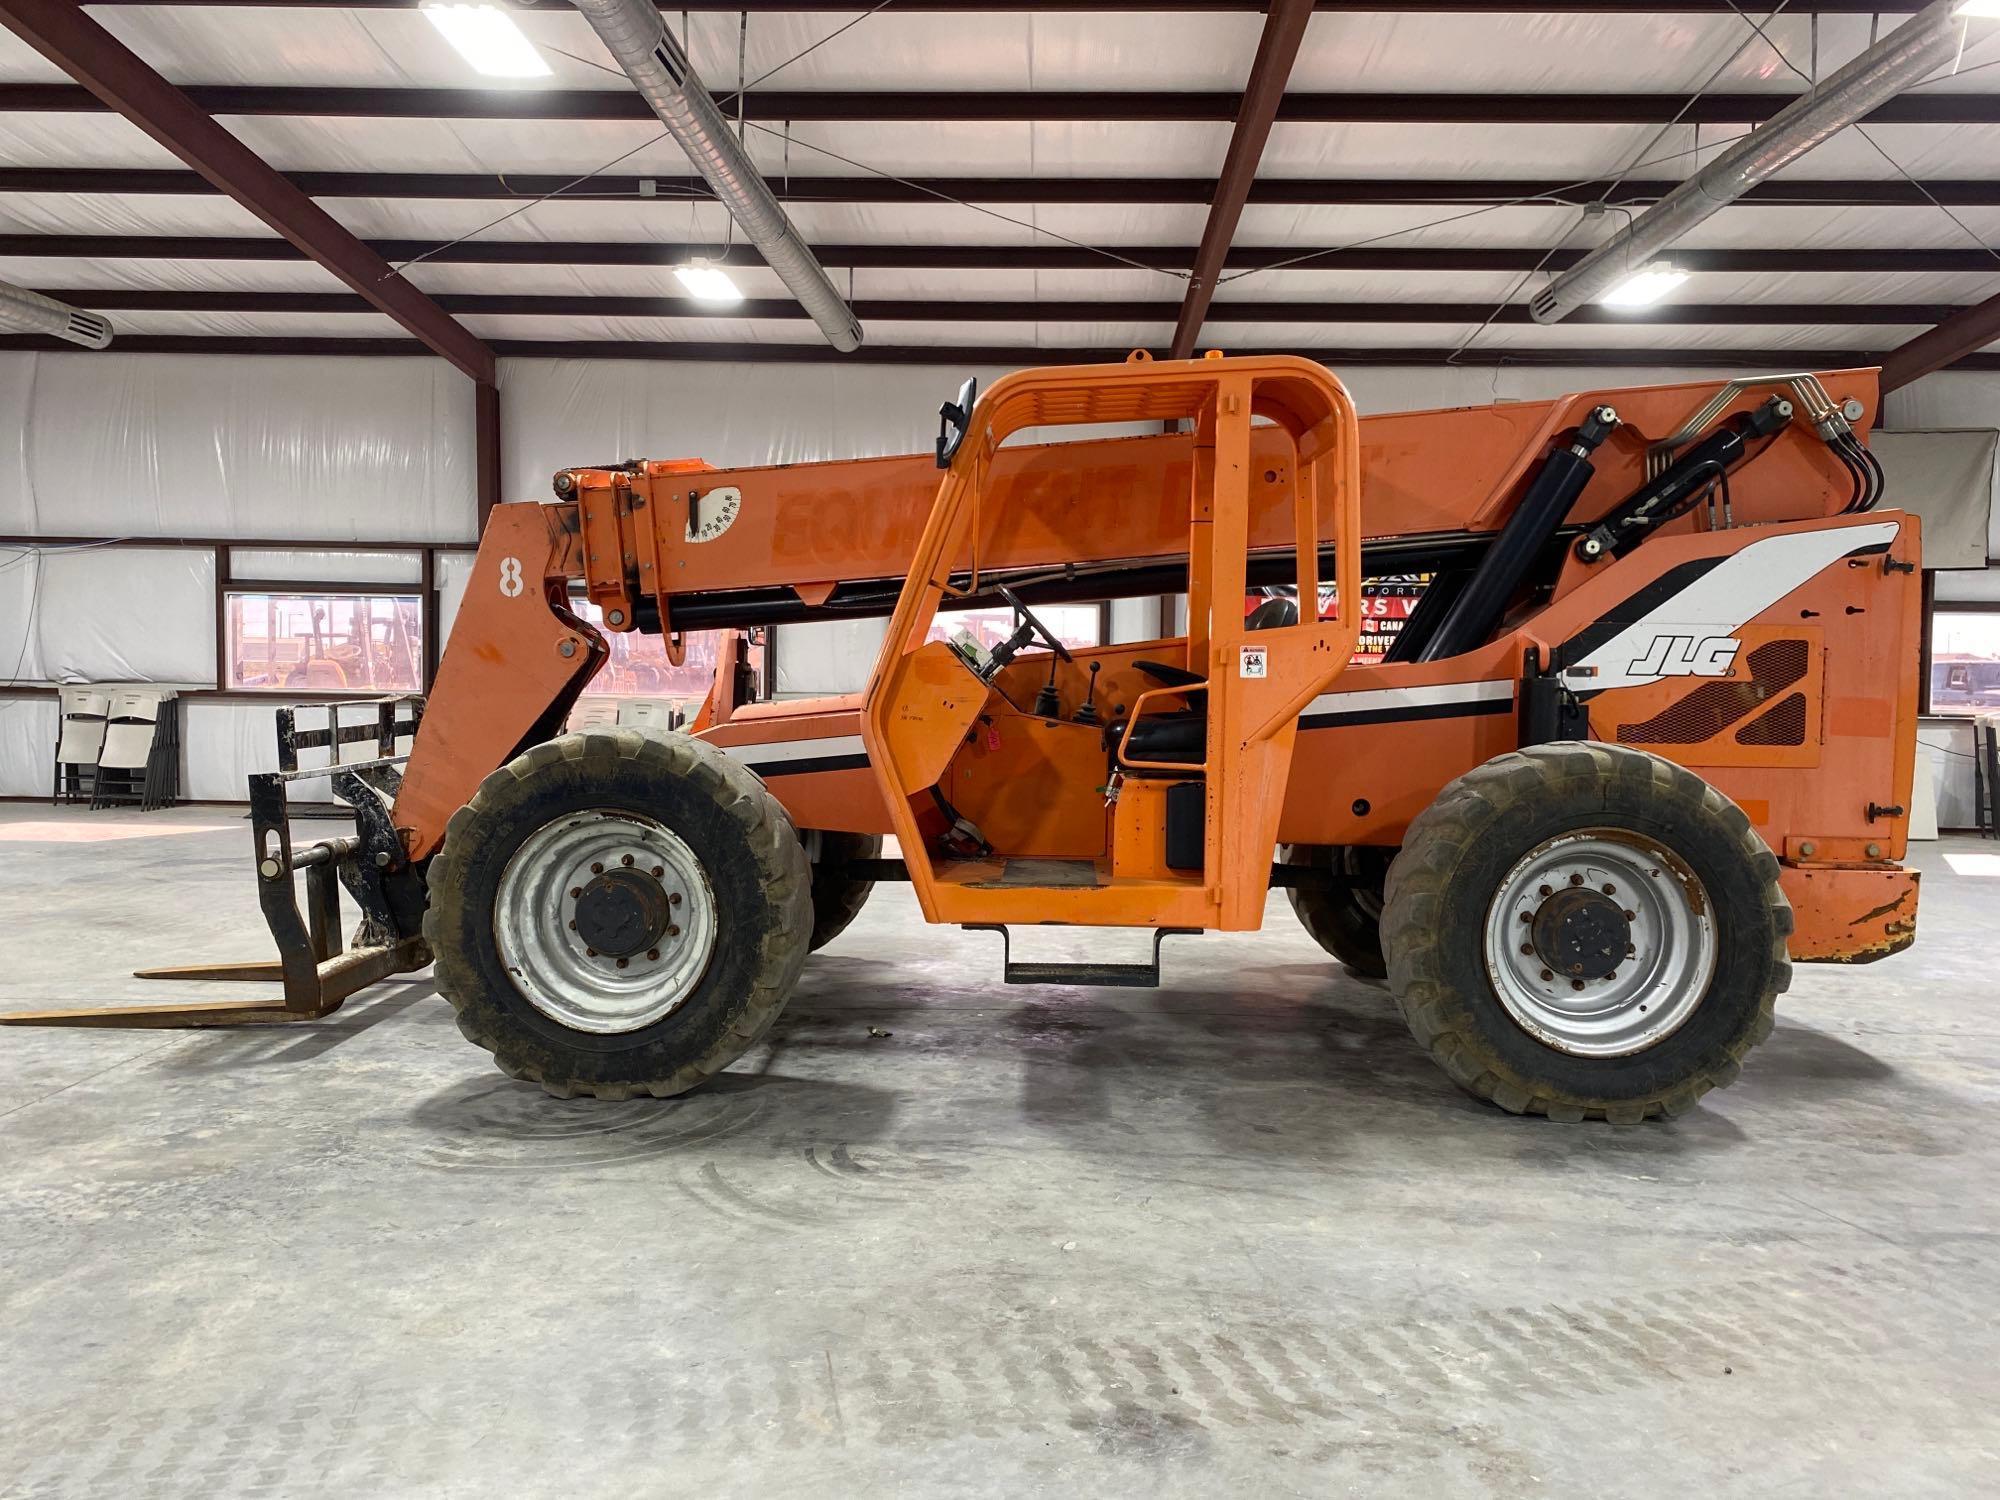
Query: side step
x=1099, y=976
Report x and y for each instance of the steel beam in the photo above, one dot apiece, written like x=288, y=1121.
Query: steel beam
x=1010, y=356
x=114, y=77
x=671, y=193
x=973, y=257
x=936, y=310
x=982, y=7
x=772, y=106
x=1263, y=94
x=1962, y=334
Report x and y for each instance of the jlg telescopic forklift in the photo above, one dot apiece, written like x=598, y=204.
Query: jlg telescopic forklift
x=1646, y=740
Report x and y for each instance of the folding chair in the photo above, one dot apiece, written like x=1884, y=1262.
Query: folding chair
x=593, y=713
x=79, y=741
x=133, y=766
x=656, y=713
x=1987, y=773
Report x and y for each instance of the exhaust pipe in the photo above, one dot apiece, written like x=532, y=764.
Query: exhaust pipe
x=659, y=69
x=30, y=312
x=1906, y=56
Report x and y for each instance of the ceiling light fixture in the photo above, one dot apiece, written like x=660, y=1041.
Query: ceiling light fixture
x=1644, y=286
x=707, y=283
x=486, y=37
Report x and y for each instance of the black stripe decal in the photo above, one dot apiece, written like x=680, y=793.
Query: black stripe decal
x=1630, y=611
x=805, y=764
x=1468, y=709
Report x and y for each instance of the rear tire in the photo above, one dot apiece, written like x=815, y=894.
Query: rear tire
x=710, y=904
x=838, y=898
x=1346, y=920
x=1586, y=932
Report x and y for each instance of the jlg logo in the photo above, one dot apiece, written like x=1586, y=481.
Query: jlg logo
x=1687, y=656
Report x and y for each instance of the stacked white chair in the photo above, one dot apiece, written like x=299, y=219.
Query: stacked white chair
x=79, y=742
x=650, y=713
x=140, y=760
x=593, y=713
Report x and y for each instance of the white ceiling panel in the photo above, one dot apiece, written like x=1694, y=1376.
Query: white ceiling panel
x=20, y=63
x=1569, y=152
x=1250, y=337
x=1645, y=51
x=78, y=140
x=106, y=213
x=918, y=50
x=1649, y=336
x=260, y=325
x=1922, y=150
x=1845, y=228
x=171, y=275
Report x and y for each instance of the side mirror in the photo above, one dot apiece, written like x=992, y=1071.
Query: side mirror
x=954, y=417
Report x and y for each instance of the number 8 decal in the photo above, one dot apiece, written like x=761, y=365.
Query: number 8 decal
x=510, y=576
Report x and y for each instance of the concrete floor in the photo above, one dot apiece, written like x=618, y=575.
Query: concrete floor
x=1233, y=1237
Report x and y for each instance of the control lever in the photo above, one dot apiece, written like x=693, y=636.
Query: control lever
x=1048, y=702
x=1086, y=711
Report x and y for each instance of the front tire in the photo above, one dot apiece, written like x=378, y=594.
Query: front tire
x=1586, y=932
x=619, y=912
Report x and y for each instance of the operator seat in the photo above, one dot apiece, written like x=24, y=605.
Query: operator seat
x=1180, y=736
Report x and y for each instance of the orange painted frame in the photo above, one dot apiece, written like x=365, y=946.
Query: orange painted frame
x=1253, y=719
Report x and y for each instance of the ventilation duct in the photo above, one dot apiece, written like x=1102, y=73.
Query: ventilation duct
x=659, y=69
x=1906, y=56
x=30, y=312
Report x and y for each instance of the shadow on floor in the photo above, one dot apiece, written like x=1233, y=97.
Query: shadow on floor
x=284, y=1043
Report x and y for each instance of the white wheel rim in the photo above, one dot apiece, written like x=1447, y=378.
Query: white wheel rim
x=1670, y=941
x=553, y=965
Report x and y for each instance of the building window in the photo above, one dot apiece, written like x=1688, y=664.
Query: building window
x=1077, y=626
x=324, y=643
x=639, y=668
x=1965, y=661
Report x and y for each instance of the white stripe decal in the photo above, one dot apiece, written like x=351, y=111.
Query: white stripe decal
x=1392, y=700
x=778, y=752
x=1719, y=603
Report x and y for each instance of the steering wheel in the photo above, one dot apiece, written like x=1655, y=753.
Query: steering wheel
x=1028, y=630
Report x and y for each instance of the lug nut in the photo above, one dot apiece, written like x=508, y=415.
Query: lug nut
x=628, y=859
x=572, y=924
x=1527, y=916
x=1527, y=947
x=653, y=953
x=1576, y=880
x=674, y=898
x=1612, y=977
x=673, y=931
x=597, y=869
x=1546, y=891
x=1547, y=976
x=623, y=962
x=658, y=871
x=1631, y=916
x=1576, y=984
x=590, y=953
x=1611, y=890
x=575, y=891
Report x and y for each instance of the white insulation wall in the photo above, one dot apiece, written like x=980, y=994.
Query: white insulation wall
x=379, y=450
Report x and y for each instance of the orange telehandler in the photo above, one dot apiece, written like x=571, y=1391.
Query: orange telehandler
x=1646, y=739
